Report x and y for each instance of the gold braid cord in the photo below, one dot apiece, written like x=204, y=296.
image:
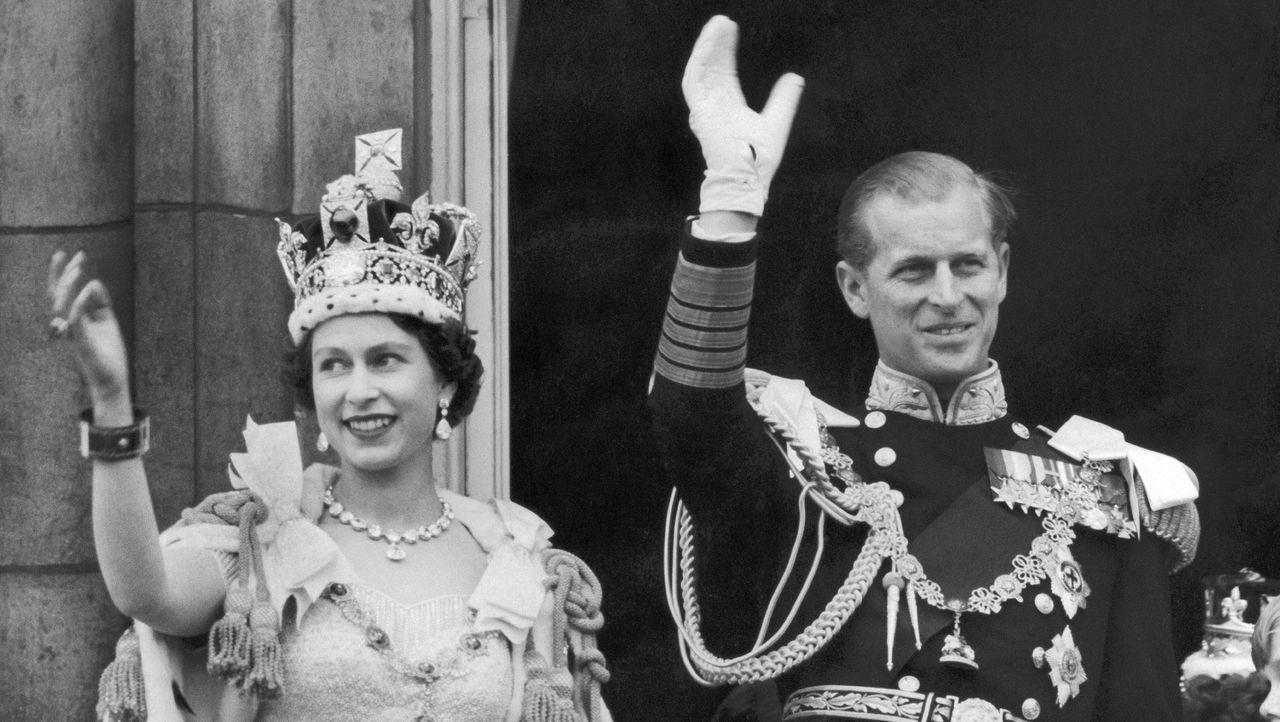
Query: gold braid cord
x=872, y=504
x=244, y=645
x=875, y=505
x=577, y=596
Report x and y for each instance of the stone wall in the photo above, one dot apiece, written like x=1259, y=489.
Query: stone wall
x=163, y=138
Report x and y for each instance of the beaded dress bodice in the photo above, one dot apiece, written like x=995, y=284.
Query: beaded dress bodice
x=360, y=655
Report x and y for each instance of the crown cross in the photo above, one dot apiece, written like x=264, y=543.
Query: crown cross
x=367, y=251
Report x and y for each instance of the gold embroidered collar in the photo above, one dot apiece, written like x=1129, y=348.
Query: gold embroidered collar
x=978, y=399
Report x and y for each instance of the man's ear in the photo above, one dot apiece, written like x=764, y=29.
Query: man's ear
x=1003, y=255
x=853, y=284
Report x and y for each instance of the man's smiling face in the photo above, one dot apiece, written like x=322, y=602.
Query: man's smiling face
x=933, y=287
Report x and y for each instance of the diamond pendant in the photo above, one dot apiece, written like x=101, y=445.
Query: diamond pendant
x=395, y=553
x=955, y=651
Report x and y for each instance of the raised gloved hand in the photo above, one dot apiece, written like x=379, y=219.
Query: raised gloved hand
x=742, y=147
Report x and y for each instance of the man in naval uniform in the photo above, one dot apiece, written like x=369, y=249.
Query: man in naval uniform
x=923, y=556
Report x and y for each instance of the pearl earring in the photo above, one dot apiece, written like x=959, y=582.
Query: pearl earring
x=322, y=443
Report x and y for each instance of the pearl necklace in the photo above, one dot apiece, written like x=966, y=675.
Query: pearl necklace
x=395, y=552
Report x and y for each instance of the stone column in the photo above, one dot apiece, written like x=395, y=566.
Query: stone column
x=241, y=172
x=66, y=181
x=162, y=137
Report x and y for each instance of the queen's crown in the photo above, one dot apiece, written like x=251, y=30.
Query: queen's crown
x=368, y=252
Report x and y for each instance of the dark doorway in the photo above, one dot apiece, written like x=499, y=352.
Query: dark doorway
x=1145, y=139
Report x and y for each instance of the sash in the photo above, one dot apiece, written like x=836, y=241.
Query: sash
x=967, y=546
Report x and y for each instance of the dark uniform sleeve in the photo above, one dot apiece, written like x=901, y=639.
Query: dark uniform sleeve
x=715, y=449
x=1139, y=668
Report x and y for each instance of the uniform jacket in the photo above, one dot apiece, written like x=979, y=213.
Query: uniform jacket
x=746, y=506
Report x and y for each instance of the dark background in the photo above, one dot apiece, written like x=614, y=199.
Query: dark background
x=1145, y=139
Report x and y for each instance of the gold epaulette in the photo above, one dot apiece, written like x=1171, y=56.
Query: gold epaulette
x=1178, y=525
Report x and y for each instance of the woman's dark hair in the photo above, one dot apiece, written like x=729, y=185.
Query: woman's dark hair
x=1231, y=698
x=449, y=345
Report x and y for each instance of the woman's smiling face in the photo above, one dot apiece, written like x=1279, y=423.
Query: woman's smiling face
x=376, y=391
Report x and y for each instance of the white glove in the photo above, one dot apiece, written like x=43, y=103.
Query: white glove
x=742, y=147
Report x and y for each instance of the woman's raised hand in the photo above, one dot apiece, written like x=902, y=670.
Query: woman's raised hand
x=81, y=313
x=742, y=148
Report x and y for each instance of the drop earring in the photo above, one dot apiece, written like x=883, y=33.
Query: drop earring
x=443, y=429
x=322, y=443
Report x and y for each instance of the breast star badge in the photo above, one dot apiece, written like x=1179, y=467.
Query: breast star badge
x=1066, y=580
x=1066, y=667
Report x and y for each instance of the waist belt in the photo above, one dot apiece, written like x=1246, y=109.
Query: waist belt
x=882, y=704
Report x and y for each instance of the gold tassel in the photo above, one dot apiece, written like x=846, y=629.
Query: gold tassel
x=543, y=704
x=546, y=700
x=244, y=645
x=229, y=637
x=266, y=674
x=121, y=697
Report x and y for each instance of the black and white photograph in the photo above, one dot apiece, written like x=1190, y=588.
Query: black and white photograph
x=596, y=361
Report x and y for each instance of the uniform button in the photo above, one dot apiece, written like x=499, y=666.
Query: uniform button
x=1038, y=657
x=1044, y=603
x=874, y=420
x=908, y=683
x=1030, y=708
x=885, y=456
x=1022, y=431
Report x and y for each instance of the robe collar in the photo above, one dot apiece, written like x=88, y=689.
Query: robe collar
x=978, y=399
x=302, y=559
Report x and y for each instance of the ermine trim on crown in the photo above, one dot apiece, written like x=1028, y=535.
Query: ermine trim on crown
x=368, y=252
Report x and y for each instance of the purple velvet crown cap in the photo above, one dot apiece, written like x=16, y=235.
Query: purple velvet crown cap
x=368, y=252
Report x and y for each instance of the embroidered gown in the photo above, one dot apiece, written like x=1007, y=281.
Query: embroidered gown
x=442, y=668
x=352, y=653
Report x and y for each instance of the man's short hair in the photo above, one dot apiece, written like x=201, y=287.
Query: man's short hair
x=916, y=176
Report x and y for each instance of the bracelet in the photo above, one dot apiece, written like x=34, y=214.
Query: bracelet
x=115, y=443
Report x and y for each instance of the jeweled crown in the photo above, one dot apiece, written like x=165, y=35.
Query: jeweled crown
x=369, y=252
